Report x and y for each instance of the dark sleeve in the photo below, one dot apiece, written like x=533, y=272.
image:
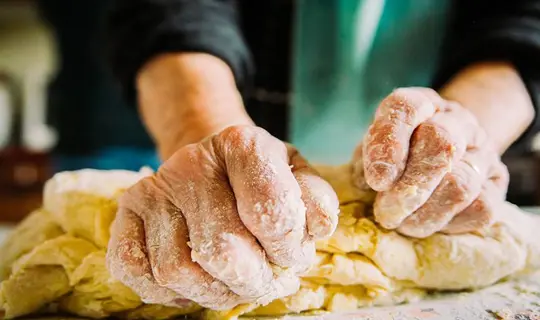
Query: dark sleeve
x=496, y=30
x=141, y=29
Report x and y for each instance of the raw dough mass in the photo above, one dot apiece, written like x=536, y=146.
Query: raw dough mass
x=55, y=259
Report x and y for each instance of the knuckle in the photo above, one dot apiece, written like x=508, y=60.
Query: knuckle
x=238, y=133
x=132, y=198
x=432, y=140
x=433, y=132
x=458, y=190
x=180, y=158
x=191, y=152
x=244, y=140
x=399, y=106
x=413, y=103
x=130, y=194
x=477, y=216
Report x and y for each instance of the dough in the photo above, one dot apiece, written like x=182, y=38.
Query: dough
x=57, y=254
x=55, y=258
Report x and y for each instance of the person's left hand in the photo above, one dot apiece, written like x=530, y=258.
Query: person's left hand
x=434, y=167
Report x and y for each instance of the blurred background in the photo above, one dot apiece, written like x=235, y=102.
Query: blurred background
x=53, y=68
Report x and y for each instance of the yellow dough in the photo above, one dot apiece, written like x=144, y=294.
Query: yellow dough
x=55, y=258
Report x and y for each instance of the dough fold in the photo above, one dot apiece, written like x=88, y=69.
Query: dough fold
x=55, y=258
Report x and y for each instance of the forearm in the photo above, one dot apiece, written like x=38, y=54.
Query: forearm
x=496, y=95
x=187, y=96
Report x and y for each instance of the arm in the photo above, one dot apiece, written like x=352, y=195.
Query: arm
x=489, y=66
x=184, y=57
x=445, y=174
x=184, y=98
x=495, y=93
x=185, y=61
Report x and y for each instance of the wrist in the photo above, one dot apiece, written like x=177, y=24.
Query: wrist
x=186, y=97
x=496, y=95
x=195, y=130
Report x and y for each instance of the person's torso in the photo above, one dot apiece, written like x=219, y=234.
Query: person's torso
x=321, y=68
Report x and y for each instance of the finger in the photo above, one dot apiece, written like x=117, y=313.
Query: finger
x=479, y=215
x=220, y=242
x=386, y=143
x=167, y=242
x=269, y=198
x=475, y=217
x=430, y=158
x=358, y=175
x=322, y=205
x=457, y=191
x=127, y=261
x=435, y=145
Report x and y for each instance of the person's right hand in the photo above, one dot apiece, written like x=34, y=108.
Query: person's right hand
x=226, y=221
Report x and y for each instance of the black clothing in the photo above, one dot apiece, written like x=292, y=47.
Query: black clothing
x=141, y=29
x=85, y=104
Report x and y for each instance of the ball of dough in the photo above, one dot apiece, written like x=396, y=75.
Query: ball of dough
x=56, y=257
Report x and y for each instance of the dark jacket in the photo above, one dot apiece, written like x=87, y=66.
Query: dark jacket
x=243, y=33
x=85, y=101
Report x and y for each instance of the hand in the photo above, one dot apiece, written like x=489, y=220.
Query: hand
x=433, y=165
x=226, y=221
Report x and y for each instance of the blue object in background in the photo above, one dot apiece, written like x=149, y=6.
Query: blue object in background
x=126, y=158
x=349, y=55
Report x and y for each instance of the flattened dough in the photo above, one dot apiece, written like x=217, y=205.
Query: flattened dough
x=56, y=257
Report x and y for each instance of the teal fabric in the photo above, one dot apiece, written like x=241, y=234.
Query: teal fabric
x=350, y=54
x=126, y=158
